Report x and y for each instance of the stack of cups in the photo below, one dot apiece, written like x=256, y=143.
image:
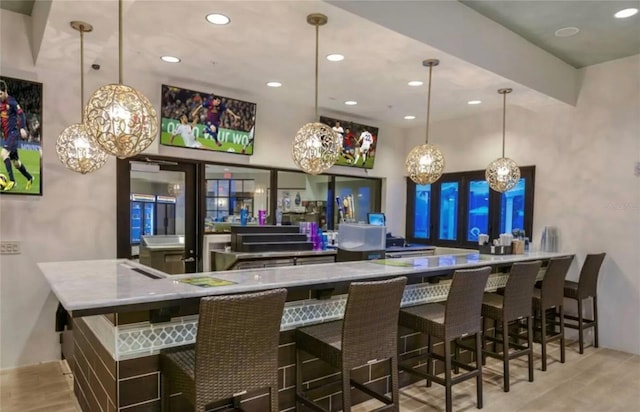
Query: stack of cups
x=262, y=217
x=313, y=236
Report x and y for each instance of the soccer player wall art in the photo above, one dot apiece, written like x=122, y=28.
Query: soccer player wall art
x=20, y=136
x=358, y=142
x=200, y=120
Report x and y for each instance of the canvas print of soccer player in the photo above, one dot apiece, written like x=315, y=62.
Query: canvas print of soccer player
x=358, y=142
x=199, y=120
x=20, y=114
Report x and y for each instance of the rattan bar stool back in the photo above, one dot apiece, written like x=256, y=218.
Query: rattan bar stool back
x=236, y=352
x=367, y=334
x=511, y=306
x=549, y=295
x=459, y=317
x=586, y=287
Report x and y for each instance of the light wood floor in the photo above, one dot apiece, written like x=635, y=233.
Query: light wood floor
x=38, y=388
x=601, y=380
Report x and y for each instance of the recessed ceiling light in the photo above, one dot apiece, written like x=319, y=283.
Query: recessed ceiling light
x=415, y=83
x=567, y=32
x=474, y=102
x=335, y=57
x=274, y=84
x=170, y=59
x=623, y=14
x=217, y=18
x=409, y=117
x=350, y=102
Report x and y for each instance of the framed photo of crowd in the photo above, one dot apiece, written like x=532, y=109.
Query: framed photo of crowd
x=206, y=121
x=359, y=142
x=20, y=136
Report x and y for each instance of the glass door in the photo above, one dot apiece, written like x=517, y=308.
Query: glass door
x=169, y=219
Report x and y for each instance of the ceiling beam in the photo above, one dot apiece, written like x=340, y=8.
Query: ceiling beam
x=39, y=17
x=462, y=32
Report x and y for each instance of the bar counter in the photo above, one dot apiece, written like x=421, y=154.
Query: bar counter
x=102, y=286
x=122, y=314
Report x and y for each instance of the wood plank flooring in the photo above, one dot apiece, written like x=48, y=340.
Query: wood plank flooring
x=601, y=380
x=38, y=388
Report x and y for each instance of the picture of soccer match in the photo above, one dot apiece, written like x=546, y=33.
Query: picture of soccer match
x=206, y=121
x=358, y=142
x=20, y=136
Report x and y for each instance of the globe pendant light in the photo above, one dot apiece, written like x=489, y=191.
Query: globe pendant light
x=120, y=118
x=316, y=147
x=75, y=147
x=503, y=174
x=425, y=163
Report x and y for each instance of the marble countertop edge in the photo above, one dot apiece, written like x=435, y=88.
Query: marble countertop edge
x=94, y=284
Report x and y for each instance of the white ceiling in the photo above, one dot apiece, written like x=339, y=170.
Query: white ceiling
x=601, y=37
x=271, y=40
x=18, y=6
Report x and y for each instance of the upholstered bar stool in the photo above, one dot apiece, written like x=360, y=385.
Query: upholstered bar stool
x=236, y=352
x=459, y=317
x=550, y=296
x=368, y=333
x=511, y=306
x=586, y=287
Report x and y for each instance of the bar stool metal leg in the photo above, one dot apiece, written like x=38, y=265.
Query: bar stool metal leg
x=505, y=354
x=430, y=366
x=530, y=343
x=561, y=313
x=298, y=378
x=164, y=394
x=484, y=343
x=580, y=327
x=346, y=390
x=456, y=349
x=543, y=338
x=395, y=385
x=595, y=320
x=479, y=365
x=447, y=376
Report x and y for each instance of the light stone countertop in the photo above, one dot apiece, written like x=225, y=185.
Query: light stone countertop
x=100, y=286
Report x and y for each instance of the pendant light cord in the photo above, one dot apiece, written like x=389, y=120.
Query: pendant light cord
x=428, y=103
x=317, y=43
x=82, y=72
x=119, y=41
x=504, y=119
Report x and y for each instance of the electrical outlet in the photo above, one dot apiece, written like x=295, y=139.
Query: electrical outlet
x=9, y=247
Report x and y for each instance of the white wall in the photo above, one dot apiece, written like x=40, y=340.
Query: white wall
x=585, y=183
x=76, y=217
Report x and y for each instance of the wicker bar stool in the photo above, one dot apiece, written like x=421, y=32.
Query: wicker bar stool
x=549, y=295
x=236, y=351
x=368, y=333
x=586, y=287
x=511, y=306
x=459, y=317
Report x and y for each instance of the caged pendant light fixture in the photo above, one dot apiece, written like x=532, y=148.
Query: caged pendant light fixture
x=75, y=147
x=503, y=174
x=120, y=118
x=316, y=147
x=425, y=163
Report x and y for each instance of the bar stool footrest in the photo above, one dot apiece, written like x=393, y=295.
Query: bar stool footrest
x=372, y=393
